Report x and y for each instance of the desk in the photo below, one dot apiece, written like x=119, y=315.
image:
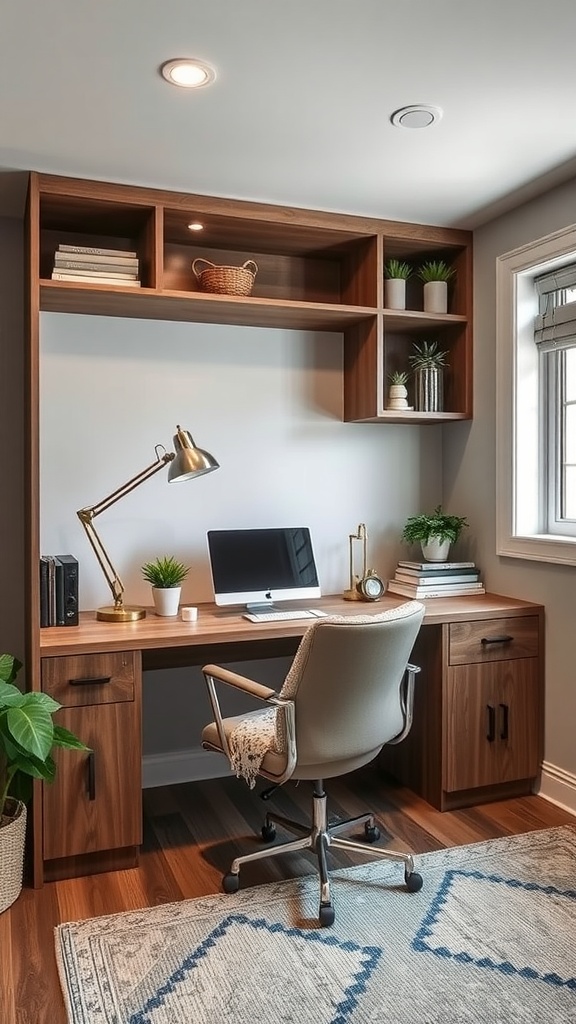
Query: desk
x=477, y=732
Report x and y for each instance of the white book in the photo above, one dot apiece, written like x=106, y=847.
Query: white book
x=434, y=566
x=436, y=581
x=94, y=251
x=93, y=259
x=94, y=279
x=460, y=589
x=89, y=269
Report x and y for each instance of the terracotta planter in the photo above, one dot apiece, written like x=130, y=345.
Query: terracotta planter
x=12, y=839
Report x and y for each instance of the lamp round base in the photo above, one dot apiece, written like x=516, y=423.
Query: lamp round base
x=124, y=614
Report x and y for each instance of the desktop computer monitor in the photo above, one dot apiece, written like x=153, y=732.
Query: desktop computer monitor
x=257, y=567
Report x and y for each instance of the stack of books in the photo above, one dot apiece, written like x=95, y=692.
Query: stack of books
x=436, y=579
x=90, y=265
x=58, y=590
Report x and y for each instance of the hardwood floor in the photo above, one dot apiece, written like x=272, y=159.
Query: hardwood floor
x=192, y=832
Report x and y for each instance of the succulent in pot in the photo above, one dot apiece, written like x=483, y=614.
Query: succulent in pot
x=398, y=392
x=428, y=362
x=436, y=274
x=166, y=576
x=396, y=273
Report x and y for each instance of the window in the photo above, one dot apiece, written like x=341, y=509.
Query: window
x=536, y=400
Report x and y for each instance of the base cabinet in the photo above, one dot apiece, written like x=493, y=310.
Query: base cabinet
x=93, y=808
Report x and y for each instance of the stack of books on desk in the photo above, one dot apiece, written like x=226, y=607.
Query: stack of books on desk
x=89, y=265
x=436, y=579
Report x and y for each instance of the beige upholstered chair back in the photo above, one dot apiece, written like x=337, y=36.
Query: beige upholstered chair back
x=345, y=682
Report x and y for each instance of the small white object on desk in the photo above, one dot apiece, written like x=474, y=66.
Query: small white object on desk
x=189, y=613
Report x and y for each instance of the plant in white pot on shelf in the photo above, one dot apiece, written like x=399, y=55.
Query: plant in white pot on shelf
x=435, y=532
x=436, y=274
x=166, y=576
x=397, y=391
x=428, y=363
x=396, y=273
x=28, y=737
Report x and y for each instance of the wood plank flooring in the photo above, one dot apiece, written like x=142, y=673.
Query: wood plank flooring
x=192, y=832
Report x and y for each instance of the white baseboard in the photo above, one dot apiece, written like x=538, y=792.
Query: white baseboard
x=176, y=766
x=558, y=786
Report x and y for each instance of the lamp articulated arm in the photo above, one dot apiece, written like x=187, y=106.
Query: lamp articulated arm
x=89, y=514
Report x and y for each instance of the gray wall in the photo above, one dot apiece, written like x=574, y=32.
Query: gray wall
x=470, y=481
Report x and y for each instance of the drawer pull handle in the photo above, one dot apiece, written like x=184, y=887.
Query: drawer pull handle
x=91, y=776
x=491, y=733
x=90, y=681
x=503, y=639
x=504, y=730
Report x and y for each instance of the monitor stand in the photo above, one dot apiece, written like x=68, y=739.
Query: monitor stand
x=261, y=606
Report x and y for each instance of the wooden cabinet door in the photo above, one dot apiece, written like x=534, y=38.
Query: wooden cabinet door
x=95, y=802
x=491, y=721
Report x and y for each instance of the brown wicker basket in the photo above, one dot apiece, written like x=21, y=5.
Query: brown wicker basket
x=225, y=280
x=12, y=836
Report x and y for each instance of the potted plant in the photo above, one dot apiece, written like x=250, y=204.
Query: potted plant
x=435, y=274
x=398, y=392
x=28, y=736
x=435, y=532
x=428, y=363
x=396, y=274
x=166, y=576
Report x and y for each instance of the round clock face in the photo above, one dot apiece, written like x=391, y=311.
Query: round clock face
x=371, y=587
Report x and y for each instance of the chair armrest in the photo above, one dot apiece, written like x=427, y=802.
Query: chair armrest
x=407, y=700
x=250, y=686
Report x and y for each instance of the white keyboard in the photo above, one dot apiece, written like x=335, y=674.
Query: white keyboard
x=306, y=613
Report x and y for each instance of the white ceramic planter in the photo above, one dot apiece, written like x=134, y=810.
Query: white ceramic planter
x=435, y=550
x=166, y=600
x=436, y=297
x=429, y=389
x=395, y=293
x=397, y=397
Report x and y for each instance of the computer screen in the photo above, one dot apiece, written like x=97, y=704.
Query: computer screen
x=257, y=567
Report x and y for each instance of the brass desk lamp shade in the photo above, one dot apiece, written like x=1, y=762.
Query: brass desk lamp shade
x=186, y=462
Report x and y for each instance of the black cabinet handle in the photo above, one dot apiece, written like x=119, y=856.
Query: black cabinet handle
x=491, y=733
x=503, y=639
x=91, y=776
x=504, y=730
x=90, y=681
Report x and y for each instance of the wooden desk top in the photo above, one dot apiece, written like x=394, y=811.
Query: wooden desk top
x=216, y=626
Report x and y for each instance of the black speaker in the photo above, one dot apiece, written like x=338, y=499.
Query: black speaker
x=66, y=590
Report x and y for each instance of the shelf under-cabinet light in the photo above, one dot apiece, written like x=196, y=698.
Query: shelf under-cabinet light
x=187, y=72
x=195, y=225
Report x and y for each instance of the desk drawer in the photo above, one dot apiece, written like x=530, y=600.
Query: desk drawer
x=85, y=679
x=493, y=640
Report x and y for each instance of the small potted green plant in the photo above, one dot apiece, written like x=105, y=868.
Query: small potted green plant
x=435, y=532
x=428, y=362
x=28, y=737
x=396, y=273
x=436, y=274
x=398, y=392
x=165, y=576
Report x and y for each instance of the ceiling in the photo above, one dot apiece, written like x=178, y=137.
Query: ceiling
x=300, y=111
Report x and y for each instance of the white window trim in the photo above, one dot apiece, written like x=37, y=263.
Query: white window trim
x=517, y=450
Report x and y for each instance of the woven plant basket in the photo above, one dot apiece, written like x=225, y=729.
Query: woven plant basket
x=12, y=836
x=225, y=280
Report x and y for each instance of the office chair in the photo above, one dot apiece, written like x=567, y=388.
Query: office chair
x=349, y=691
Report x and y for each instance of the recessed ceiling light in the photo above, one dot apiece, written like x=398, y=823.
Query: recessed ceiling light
x=195, y=225
x=187, y=72
x=420, y=115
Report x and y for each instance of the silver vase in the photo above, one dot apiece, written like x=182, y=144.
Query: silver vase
x=428, y=389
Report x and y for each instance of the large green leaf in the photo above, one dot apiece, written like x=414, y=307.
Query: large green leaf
x=9, y=667
x=10, y=696
x=42, y=700
x=66, y=739
x=32, y=728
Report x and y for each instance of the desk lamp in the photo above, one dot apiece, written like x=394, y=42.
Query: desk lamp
x=186, y=462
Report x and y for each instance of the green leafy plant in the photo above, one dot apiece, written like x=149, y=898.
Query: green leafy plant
x=398, y=270
x=435, y=270
x=398, y=377
x=28, y=735
x=433, y=524
x=165, y=572
x=427, y=356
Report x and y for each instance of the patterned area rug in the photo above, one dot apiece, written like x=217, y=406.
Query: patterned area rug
x=490, y=938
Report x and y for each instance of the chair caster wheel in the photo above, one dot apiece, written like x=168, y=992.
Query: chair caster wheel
x=268, y=833
x=371, y=833
x=414, y=881
x=230, y=882
x=326, y=915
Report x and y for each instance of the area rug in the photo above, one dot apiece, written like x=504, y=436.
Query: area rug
x=491, y=937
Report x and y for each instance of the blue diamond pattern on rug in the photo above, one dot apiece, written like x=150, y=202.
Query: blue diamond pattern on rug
x=335, y=976
x=478, y=919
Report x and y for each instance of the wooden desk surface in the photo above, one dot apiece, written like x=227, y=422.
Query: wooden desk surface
x=216, y=626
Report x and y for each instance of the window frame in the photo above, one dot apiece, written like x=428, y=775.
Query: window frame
x=519, y=438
